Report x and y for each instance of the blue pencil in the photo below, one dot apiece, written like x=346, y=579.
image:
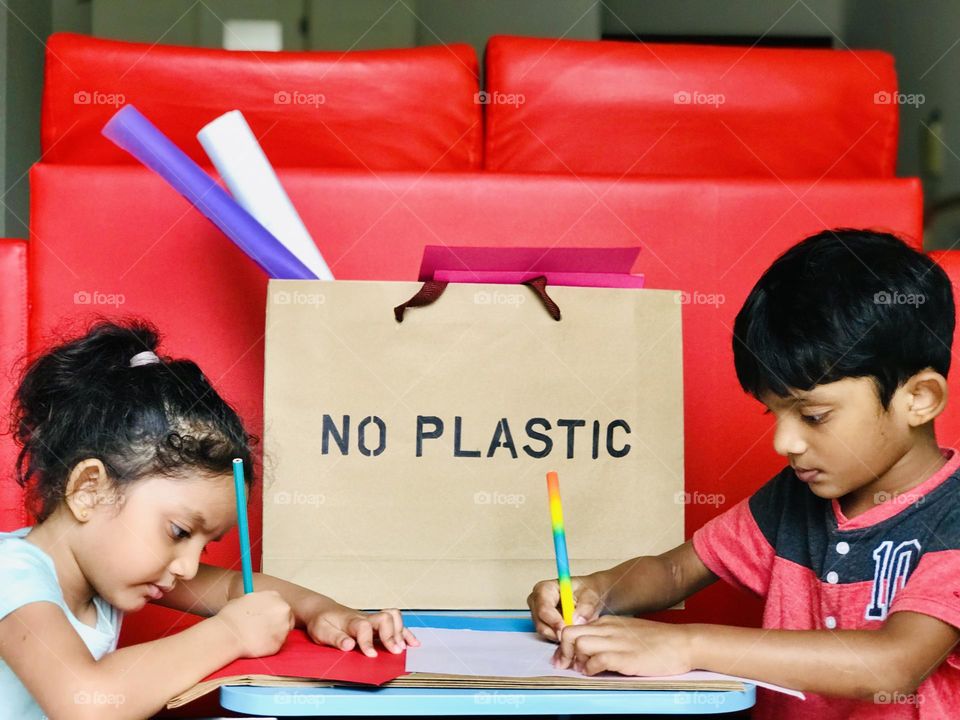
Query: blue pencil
x=242, y=526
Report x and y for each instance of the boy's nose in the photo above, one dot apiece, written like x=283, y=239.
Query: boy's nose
x=788, y=440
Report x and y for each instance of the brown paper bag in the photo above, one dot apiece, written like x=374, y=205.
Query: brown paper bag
x=405, y=463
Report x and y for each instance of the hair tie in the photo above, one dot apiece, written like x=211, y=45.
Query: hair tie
x=147, y=357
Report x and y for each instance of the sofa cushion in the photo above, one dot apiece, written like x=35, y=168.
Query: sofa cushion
x=649, y=109
x=381, y=110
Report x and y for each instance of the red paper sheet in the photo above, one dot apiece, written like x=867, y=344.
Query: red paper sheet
x=302, y=658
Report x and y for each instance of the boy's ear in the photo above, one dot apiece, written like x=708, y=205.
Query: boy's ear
x=86, y=486
x=926, y=396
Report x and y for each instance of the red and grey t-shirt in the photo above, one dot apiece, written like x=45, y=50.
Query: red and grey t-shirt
x=818, y=570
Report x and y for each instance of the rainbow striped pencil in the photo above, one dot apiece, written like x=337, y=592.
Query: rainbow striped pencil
x=242, y=525
x=560, y=546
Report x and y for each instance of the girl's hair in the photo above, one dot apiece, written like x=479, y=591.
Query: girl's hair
x=82, y=399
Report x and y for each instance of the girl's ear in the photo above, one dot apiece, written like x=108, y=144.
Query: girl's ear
x=87, y=487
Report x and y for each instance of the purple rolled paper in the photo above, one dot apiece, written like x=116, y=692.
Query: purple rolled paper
x=129, y=129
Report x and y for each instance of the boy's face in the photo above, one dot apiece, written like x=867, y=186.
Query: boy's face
x=837, y=436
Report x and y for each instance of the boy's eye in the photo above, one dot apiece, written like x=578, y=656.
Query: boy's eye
x=178, y=532
x=814, y=419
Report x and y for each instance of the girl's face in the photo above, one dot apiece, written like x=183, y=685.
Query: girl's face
x=138, y=544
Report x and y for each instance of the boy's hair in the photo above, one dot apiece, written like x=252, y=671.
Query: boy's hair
x=82, y=399
x=841, y=304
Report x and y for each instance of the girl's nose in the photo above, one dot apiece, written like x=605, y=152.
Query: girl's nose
x=185, y=565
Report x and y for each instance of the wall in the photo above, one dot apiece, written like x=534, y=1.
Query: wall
x=25, y=24
x=731, y=17
x=926, y=46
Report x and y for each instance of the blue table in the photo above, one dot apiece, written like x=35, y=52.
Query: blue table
x=299, y=702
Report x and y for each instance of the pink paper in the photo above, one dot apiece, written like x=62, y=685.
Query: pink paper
x=526, y=259
x=511, y=277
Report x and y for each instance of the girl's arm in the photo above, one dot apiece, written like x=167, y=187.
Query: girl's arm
x=325, y=620
x=212, y=587
x=42, y=648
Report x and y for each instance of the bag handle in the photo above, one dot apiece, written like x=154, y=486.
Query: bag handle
x=431, y=291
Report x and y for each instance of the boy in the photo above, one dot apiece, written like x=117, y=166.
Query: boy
x=855, y=545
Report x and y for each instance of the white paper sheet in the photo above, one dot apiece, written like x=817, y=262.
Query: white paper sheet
x=234, y=151
x=514, y=654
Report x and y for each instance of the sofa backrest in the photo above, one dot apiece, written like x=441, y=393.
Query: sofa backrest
x=411, y=109
x=118, y=241
x=616, y=108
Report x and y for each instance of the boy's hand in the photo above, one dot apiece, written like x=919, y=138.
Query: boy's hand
x=260, y=622
x=345, y=628
x=629, y=646
x=544, y=604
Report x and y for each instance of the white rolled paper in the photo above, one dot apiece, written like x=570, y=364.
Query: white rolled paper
x=235, y=152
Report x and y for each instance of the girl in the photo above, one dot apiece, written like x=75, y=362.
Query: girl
x=127, y=461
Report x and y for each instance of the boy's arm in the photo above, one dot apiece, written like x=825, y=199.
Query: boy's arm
x=853, y=663
x=212, y=587
x=895, y=658
x=644, y=584
x=653, y=582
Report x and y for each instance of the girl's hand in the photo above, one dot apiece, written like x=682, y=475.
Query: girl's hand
x=544, y=604
x=260, y=621
x=345, y=628
x=629, y=646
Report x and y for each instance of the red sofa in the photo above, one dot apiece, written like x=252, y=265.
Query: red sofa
x=574, y=143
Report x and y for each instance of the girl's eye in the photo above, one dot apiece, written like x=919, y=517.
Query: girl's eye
x=178, y=532
x=814, y=419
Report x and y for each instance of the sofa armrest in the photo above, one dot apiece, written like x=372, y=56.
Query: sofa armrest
x=13, y=347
